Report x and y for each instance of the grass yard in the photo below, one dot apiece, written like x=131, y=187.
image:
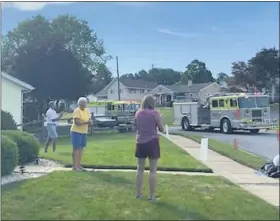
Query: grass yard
x=117, y=149
x=111, y=196
x=167, y=113
x=227, y=150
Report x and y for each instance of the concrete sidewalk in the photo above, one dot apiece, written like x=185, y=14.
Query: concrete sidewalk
x=264, y=187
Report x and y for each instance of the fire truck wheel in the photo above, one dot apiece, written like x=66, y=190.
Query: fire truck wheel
x=226, y=126
x=186, y=124
x=255, y=131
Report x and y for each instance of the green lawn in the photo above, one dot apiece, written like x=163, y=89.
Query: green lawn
x=167, y=113
x=227, y=150
x=111, y=195
x=117, y=149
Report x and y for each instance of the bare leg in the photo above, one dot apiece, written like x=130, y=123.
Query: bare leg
x=47, y=144
x=153, y=177
x=139, y=176
x=75, y=159
x=79, y=157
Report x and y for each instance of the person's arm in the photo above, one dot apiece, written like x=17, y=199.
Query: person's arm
x=77, y=118
x=159, y=122
x=58, y=118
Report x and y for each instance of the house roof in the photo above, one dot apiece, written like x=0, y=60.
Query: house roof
x=20, y=83
x=138, y=83
x=184, y=88
x=129, y=83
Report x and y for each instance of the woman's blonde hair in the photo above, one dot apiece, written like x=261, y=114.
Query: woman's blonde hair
x=148, y=102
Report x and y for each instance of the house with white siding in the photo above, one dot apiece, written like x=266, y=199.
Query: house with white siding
x=166, y=94
x=12, y=90
x=130, y=90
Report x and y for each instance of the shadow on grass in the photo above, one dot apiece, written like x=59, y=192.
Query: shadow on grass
x=9, y=187
x=181, y=213
x=65, y=153
x=113, y=179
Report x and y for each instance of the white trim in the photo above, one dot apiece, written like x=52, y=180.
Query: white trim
x=160, y=85
x=24, y=85
x=209, y=86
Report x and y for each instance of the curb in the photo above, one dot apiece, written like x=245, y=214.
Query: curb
x=223, y=154
x=168, y=169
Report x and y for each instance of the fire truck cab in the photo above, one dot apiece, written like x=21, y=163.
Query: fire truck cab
x=228, y=112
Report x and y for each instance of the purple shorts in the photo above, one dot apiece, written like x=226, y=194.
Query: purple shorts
x=149, y=149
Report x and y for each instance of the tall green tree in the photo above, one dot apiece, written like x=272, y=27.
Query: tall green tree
x=222, y=77
x=264, y=67
x=102, y=78
x=241, y=74
x=165, y=76
x=56, y=56
x=197, y=72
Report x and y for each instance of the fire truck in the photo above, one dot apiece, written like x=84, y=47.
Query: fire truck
x=228, y=112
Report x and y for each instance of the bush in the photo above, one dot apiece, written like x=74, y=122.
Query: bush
x=28, y=146
x=9, y=155
x=7, y=121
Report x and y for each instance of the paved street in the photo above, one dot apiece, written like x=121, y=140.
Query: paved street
x=263, y=144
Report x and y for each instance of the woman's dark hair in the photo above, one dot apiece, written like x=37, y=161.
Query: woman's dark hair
x=148, y=102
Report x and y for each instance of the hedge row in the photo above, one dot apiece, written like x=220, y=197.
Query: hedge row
x=17, y=148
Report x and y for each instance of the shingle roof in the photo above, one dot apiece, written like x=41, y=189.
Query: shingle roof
x=130, y=83
x=184, y=88
x=135, y=83
x=17, y=81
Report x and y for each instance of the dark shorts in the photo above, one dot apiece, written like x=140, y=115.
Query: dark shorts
x=78, y=140
x=150, y=149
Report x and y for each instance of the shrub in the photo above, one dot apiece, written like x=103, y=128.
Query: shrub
x=28, y=146
x=7, y=121
x=9, y=155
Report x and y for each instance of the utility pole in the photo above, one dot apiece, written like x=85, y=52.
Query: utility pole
x=153, y=66
x=118, y=78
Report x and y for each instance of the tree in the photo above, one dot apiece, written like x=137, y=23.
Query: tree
x=141, y=75
x=159, y=75
x=54, y=72
x=165, y=76
x=264, y=67
x=241, y=74
x=222, y=77
x=127, y=76
x=102, y=78
x=197, y=72
x=56, y=56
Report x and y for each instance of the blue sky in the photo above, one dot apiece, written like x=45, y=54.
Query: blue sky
x=168, y=34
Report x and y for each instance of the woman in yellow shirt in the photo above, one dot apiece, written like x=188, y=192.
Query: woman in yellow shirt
x=79, y=130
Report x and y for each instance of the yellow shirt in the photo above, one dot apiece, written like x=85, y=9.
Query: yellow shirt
x=82, y=115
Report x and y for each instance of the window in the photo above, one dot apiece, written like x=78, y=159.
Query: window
x=221, y=103
x=111, y=91
x=191, y=94
x=132, y=90
x=214, y=103
x=142, y=91
x=233, y=102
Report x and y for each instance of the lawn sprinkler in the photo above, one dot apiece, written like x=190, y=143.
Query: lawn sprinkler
x=22, y=169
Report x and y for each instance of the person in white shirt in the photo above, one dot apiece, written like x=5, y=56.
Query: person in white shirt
x=52, y=118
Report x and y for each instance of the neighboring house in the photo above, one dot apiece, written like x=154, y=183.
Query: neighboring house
x=130, y=89
x=12, y=96
x=165, y=94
